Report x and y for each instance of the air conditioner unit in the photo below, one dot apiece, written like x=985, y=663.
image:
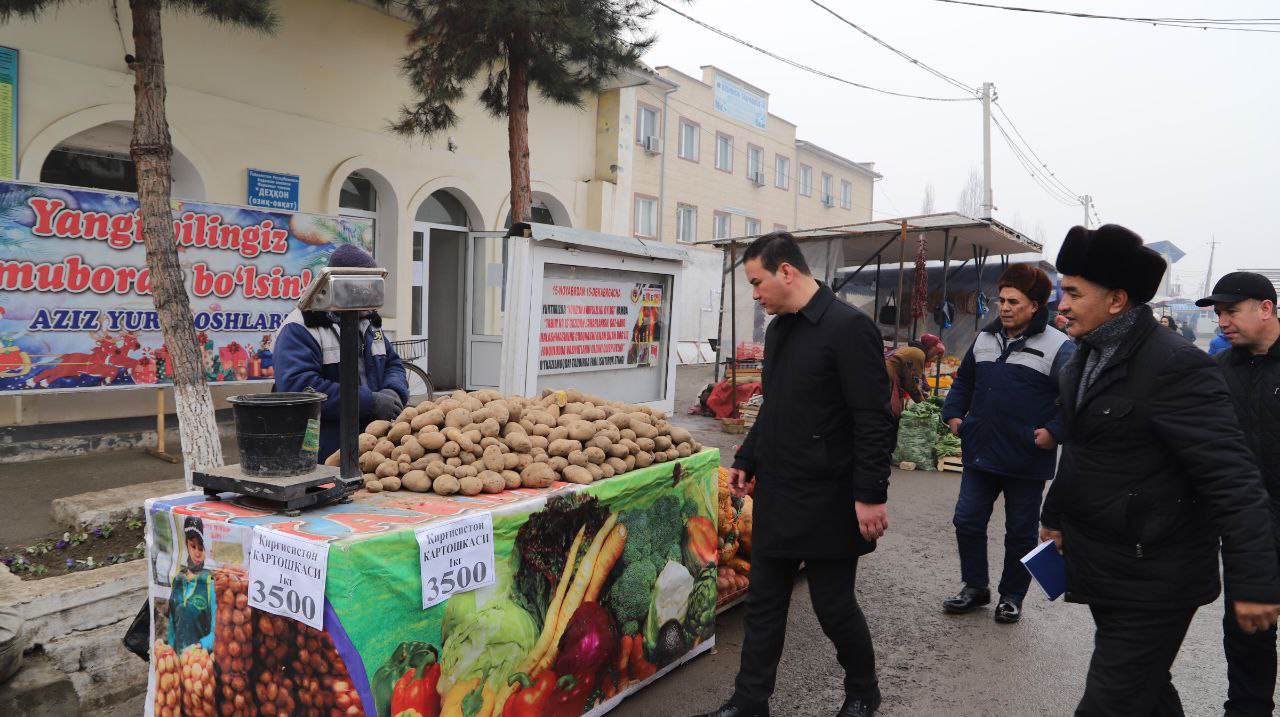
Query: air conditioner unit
x=757, y=178
x=652, y=145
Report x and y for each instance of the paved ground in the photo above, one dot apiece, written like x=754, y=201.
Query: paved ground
x=929, y=664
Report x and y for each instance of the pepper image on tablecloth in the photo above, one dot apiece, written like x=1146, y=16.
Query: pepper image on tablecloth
x=407, y=681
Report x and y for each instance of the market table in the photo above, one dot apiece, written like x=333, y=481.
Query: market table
x=653, y=584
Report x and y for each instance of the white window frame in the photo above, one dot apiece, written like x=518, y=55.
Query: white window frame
x=828, y=189
x=728, y=154
x=717, y=230
x=689, y=213
x=846, y=194
x=755, y=162
x=781, y=171
x=651, y=215
x=805, y=180
x=751, y=228
x=642, y=110
x=689, y=150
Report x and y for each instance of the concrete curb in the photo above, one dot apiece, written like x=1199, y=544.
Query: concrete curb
x=111, y=505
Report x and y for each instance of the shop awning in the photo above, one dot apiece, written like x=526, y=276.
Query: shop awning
x=611, y=243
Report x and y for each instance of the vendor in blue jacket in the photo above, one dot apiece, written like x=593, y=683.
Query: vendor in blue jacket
x=306, y=356
x=1002, y=404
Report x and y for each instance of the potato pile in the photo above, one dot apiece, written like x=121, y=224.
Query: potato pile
x=476, y=442
x=273, y=688
x=168, y=680
x=197, y=683
x=233, y=641
x=324, y=686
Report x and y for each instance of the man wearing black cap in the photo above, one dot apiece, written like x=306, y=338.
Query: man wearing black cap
x=1246, y=307
x=307, y=352
x=1150, y=480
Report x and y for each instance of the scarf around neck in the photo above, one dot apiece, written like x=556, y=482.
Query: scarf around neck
x=1103, y=342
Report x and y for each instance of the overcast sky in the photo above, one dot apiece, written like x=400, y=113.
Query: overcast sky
x=1172, y=131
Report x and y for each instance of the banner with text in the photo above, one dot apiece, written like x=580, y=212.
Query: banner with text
x=75, y=290
x=598, y=325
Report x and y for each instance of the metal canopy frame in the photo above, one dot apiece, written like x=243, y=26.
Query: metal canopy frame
x=867, y=242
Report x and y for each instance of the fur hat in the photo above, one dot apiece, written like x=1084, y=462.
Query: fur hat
x=1113, y=257
x=1028, y=279
x=350, y=255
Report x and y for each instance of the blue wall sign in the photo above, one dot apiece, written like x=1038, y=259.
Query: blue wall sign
x=273, y=190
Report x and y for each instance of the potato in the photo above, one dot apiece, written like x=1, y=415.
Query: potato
x=628, y=434
x=606, y=470
x=457, y=418
x=435, y=470
x=558, y=433
x=558, y=463
x=492, y=482
x=563, y=447
x=407, y=415
x=595, y=455
x=470, y=427
x=416, y=481
x=432, y=441
x=643, y=430
x=422, y=463
x=685, y=450
x=467, y=458
x=334, y=459
x=621, y=420
x=493, y=460
x=514, y=429
x=425, y=406
x=398, y=431
x=567, y=418
x=454, y=461
x=631, y=462
x=368, y=477
x=647, y=444
x=366, y=442
x=378, y=429
x=643, y=459
x=663, y=443
x=384, y=447
x=445, y=485
x=447, y=405
x=515, y=410
x=387, y=468
x=617, y=464
x=617, y=450
x=540, y=429
x=421, y=421
x=412, y=447
x=473, y=435
x=519, y=442
x=391, y=483
x=539, y=442
x=490, y=428
x=697, y=447
x=465, y=472
x=499, y=411
x=369, y=461
x=537, y=475
x=681, y=435
x=450, y=449
x=470, y=485
x=373, y=486
x=578, y=458
x=511, y=461
x=578, y=474
x=581, y=431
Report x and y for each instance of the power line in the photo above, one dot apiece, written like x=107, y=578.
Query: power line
x=933, y=71
x=1186, y=23
x=1051, y=175
x=804, y=67
x=1033, y=171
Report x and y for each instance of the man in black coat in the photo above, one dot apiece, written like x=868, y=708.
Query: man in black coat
x=1246, y=307
x=1154, y=470
x=819, y=454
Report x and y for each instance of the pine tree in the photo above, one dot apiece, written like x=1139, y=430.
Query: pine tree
x=151, y=149
x=565, y=49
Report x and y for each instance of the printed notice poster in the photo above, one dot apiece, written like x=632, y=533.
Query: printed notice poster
x=8, y=113
x=740, y=103
x=599, y=325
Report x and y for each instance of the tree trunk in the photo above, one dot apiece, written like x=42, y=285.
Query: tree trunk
x=152, y=153
x=518, y=140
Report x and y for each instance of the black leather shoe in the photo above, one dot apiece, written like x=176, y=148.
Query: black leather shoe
x=864, y=706
x=967, y=600
x=1009, y=610
x=729, y=709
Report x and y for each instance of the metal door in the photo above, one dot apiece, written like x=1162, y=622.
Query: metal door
x=486, y=301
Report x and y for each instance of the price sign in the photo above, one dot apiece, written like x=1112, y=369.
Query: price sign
x=286, y=576
x=457, y=556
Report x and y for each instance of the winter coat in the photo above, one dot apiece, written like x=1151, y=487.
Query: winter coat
x=824, y=434
x=306, y=356
x=1154, y=469
x=1254, y=382
x=1003, y=393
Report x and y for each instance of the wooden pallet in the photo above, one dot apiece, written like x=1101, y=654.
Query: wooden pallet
x=952, y=464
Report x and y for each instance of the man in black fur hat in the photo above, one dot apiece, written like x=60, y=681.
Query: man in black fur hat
x=1150, y=480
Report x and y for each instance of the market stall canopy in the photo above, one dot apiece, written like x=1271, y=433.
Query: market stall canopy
x=571, y=238
x=862, y=242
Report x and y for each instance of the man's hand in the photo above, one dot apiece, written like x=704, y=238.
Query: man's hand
x=387, y=404
x=1255, y=616
x=955, y=425
x=1045, y=439
x=1054, y=535
x=739, y=481
x=873, y=519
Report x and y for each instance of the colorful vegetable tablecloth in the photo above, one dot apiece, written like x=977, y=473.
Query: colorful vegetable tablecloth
x=546, y=638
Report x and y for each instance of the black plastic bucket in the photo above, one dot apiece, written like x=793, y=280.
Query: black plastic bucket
x=278, y=433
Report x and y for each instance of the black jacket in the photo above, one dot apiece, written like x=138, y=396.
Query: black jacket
x=1254, y=382
x=824, y=435
x=1154, y=470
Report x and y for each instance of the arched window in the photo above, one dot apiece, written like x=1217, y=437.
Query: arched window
x=98, y=158
x=358, y=199
x=443, y=208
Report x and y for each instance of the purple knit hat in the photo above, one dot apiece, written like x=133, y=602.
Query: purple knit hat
x=350, y=255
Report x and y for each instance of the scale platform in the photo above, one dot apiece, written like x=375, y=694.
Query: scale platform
x=290, y=493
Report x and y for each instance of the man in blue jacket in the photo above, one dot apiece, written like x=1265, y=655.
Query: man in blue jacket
x=306, y=356
x=1003, y=406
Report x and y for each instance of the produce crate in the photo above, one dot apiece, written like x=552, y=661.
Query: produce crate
x=733, y=425
x=951, y=464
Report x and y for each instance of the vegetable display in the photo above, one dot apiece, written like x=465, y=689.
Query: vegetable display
x=481, y=441
x=408, y=680
x=488, y=644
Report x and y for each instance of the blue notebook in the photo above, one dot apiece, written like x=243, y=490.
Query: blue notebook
x=1046, y=565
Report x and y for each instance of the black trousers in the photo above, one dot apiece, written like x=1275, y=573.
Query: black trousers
x=1133, y=650
x=831, y=587
x=1251, y=668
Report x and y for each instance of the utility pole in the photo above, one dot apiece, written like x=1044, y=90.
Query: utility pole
x=1208, y=277
x=1086, y=200
x=988, y=202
